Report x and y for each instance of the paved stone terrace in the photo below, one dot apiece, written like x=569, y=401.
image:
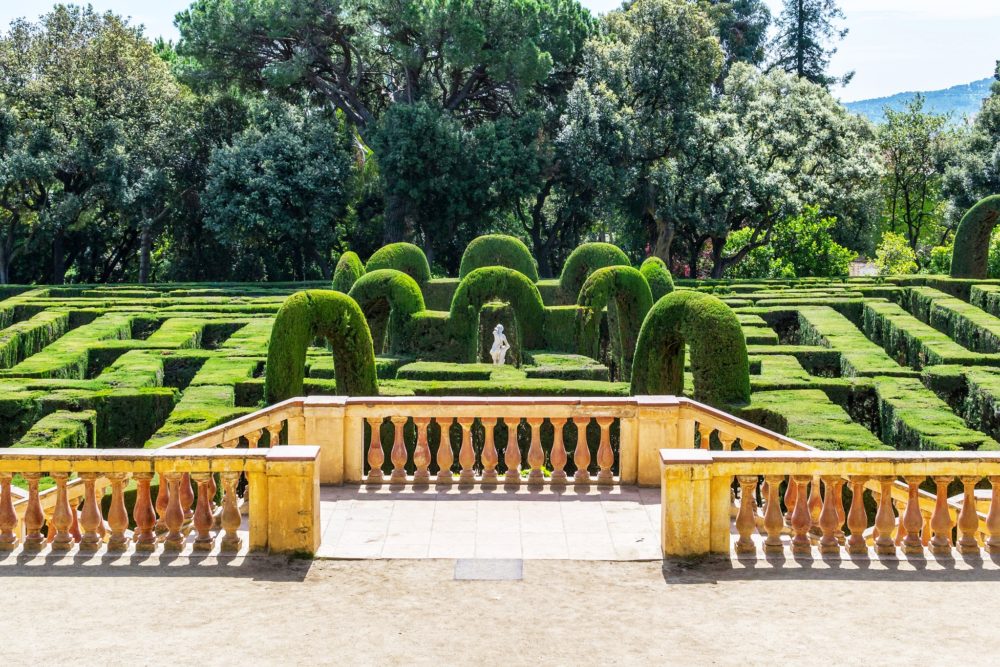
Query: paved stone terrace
x=393, y=522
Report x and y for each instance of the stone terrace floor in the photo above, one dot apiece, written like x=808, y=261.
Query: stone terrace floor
x=392, y=522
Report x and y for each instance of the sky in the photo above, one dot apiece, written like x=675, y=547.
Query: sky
x=893, y=45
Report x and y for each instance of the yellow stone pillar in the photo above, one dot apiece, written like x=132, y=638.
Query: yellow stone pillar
x=686, y=497
x=323, y=426
x=293, y=517
x=658, y=428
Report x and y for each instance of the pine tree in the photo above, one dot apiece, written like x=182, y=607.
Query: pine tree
x=802, y=44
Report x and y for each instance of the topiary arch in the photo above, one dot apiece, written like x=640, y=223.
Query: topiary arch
x=655, y=271
x=718, y=350
x=497, y=283
x=586, y=259
x=349, y=269
x=388, y=298
x=498, y=250
x=972, y=239
x=626, y=295
x=304, y=316
x=404, y=257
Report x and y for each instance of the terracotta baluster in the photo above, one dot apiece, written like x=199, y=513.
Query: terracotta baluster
x=253, y=439
x=705, y=436
x=885, y=520
x=746, y=519
x=828, y=516
x=8, y=517
x=491, y=459
x=466, y=453
x=968, y=517
x=801, y=520
x=993, y=518
x=912, y=520
x=274, y=434
x=203, y=514
x=900, y=528
x=581, y=454
x=727, y=441
x=174, y=517
x=941, y=522
x=605, y=456
x=558, y=456
x=445, y=457
x=422, y=452
x=74, y=519
x=375, y=455
x=512, y=455
x=838, y=494
x=62, y=515
x=857, y=518
x=231, y=520
x=536, y=457
x=398, y=453
x=186, y=498
x=145, y=519
x=791, y=495
x=815, y=505
x=773, y=521
x=34, y=517
x=162, y=502
x=117, y=514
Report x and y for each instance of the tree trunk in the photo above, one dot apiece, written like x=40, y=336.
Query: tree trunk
x=394, y=222
x=664, y=237
x=58, y=258
x=145, y=247
x=718, y=263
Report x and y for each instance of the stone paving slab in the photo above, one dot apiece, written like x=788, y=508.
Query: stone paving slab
x=618, y=523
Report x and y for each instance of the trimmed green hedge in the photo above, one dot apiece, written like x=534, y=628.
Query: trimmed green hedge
x=62, y=430
x=389, y=299
x=498, y=250
x=655, y=271
x=334, y=316
x=972, y=239
x=501, y=284
x=718, y=350
x=349, y=269
x=404, y=257
x=586, y=259
x=625, y=293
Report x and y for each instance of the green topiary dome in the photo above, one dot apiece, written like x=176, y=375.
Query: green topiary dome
x=655, y=271
x=349, y=269
x=404, y=257
x=972, y=239
x=498, y=250
x=586, y=259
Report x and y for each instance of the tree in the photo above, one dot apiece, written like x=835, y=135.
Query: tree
x=94, y=87
x=895, y=256
x=278, y=194
x=742, y=27
x=916, y=147
x=801, y=46
x=975, y=171
x=472, y=61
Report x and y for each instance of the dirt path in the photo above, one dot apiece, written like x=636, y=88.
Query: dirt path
x=264, y=612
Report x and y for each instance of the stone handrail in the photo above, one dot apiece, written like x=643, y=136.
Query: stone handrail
x=283, y=510
x=697, y=501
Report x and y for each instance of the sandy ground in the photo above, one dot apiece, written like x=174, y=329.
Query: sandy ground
x=261, y=611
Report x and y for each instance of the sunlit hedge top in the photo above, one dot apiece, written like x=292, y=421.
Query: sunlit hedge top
x=654, y=270
x=404, y=257
x=498, y=250
x=586, y=259
x=349, y=269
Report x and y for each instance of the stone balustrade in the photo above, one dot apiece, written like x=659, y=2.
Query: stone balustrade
x=282, y=512
x=803, y=502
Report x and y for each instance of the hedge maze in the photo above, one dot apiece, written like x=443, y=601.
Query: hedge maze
x=906, y=363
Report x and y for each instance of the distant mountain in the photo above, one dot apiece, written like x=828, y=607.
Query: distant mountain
x=959, y=101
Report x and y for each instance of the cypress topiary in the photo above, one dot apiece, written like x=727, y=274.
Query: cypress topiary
x=497, y=283
x=404, y=257
x=586, y=259
x=972, y=239
x=388, y=298
x=304, y=316
x=655, y=271
x=498, y=250
x=718, y=350
x=626, y=295
x=349, y=269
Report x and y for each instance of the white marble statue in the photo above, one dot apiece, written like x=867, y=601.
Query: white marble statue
x=500, y=346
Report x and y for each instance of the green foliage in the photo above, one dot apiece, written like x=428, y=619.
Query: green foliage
x=894, y=256
x=586, y=259
x=349, y=269
x=62, y=430
x=972, y=239
x=719, y=359
x=801, y=46
x=404, y=257
x=940, y=259
x=502, y=284
x=498, y=250
x=626, y=294
x=389, y=299
x=655, y=271
x=334, y=316
x=974, y=171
